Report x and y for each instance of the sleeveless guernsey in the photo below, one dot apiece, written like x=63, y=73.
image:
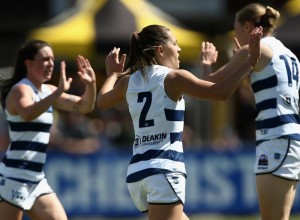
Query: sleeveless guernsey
x=26, y=155
x=276, y=90
x=158, y=125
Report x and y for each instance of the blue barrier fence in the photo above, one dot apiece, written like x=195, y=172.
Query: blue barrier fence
x=94, y=185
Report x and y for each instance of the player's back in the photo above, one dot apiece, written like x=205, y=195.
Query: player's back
x=158, y=122
x=276, y=94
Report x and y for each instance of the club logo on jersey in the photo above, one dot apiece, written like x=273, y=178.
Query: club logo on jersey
x=152, y=139
x=263, y=161
x=277, y=156
x=263, y=131
x=137, y=141
x=175, y=180
x=287, y=99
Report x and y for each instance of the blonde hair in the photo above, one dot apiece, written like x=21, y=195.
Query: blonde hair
x=259, y=15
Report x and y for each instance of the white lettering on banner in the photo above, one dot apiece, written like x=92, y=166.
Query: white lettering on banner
x=247, y=178
x=84, y=185
x=97, y=185
x=210, y=181
x=219, y=188
x=209, y=184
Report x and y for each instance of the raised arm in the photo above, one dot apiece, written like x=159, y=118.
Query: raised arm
x=183, y=82
x=240, y=54
x=20, y=101
x=84, y=103
x=209, y=55
x=111, y=92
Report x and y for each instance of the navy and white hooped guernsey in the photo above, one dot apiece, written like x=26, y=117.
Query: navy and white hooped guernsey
x=158, y=124
x=26, y=155
x=276, y=90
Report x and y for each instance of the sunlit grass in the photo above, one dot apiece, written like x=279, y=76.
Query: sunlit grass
x=197, y=217
x=239, y=217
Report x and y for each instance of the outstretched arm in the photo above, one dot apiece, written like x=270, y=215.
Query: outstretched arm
x=240, y=54
x=187, y=83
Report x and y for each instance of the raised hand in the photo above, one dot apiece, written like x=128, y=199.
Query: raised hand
x=64, y=83
x=209, y=54
x=254, y=45
x=114, y=64
x=85, y=70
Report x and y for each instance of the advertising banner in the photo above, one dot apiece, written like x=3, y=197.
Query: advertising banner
x=94, y=185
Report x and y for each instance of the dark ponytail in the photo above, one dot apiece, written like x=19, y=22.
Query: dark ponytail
x=143, y=46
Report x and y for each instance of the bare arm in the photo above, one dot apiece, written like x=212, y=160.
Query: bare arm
x=113, y=92
x=84, y=103
x=238, y=57
x=209, y=55
x=20, y=101
x=188, y=84
x=240, y=54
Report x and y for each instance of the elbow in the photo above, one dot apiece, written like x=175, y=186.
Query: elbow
x=100, y=104
x=85, y=106
x=87, y=110
x=88, y=107
x=104, y=104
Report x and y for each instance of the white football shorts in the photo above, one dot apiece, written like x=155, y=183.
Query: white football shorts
x=166, y=188
x=280, y=157
x=22, y=195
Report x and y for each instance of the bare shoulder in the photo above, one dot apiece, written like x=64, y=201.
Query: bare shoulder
x=179, y=77
x=20, y=89
x=178, y=74
x=17, y=92
x=175, y=81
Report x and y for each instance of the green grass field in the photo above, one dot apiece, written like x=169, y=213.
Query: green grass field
x=197, y=217
x=241, y=217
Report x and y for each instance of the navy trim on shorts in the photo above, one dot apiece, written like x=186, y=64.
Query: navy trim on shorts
x=271, y=172
x=179, y=200
x=21, y=180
